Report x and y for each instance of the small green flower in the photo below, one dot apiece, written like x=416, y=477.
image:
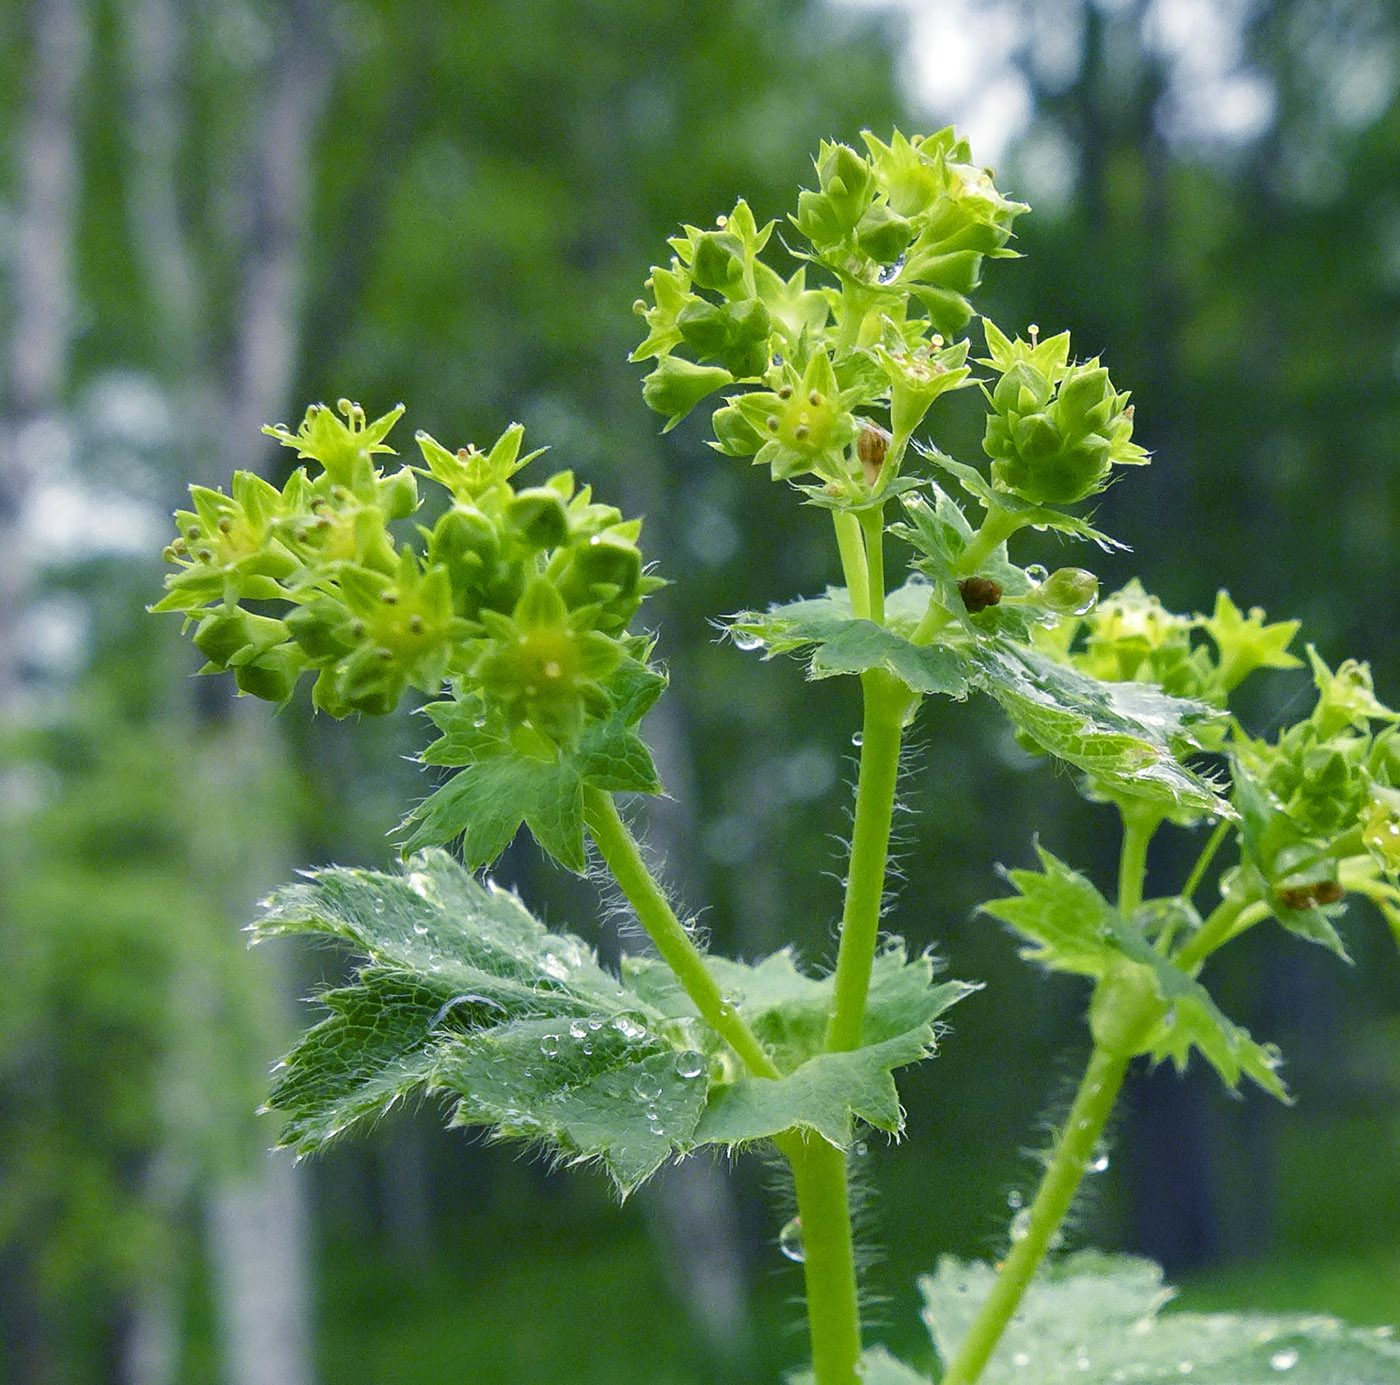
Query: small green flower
x=805, y=421
x=541, y=666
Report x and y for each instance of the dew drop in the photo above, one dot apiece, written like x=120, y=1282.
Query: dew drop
x=1283, y=1360
x=858, y=740
x=578, y=1029
x=1021, y=1359
x=420, y=928
x=1013, y=1199
x=690, y=1064
x=549, y=1045
x=790, y=1241
x=1097, y=1164
x=1021, y=1224
x=648, y=1086
x=1037, y=572
x=890, y=272
x=595, y=1025
x=746, y=639
x=588, y=1050
x=1185, y=1367
x=860, y=1149
x=1082, y=1362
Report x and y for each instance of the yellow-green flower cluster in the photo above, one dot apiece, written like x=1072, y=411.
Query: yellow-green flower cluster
x=522, y=595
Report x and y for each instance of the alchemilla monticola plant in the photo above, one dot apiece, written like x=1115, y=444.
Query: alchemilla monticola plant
x=512, y=616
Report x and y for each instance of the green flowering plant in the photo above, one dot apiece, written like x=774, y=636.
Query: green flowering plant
x=511, y=616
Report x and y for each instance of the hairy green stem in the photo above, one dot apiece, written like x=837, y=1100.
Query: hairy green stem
x=854, y=565
x=624, y=859
x=1198, y=871
x=1139, y=827
x=997, y=527
x=828, y=1263
x=1072, y=1155
x=872, y=523
x=887, y=700
x=1230, y=918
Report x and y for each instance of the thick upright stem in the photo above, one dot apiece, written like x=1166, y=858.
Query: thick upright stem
x=624, y=859
x=828, y=1264
x=1073, y=1153
x=886, y=701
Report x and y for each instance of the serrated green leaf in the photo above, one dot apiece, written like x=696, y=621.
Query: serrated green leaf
x=1125, y=736
x=1073, y=928
x=498, y=787
x=840, y=642
x=877, y=1367
x=788, y=1010
x=1095, y=1319
x=464, y=995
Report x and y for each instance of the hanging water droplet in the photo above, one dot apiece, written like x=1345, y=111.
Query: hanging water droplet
x=1097, y=1164
x=890, y=272
x=857, y=740
x=1021, y=1224
x=1037, y=572
x=860, y=1149
x=549, y=1045
x=690, y=1064
x=577, y=1029
x=745, y=639
x=790, y=1241
x=1283, y=1360
x=1013, y=1199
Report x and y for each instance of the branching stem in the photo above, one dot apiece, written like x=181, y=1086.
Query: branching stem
x=624, y=859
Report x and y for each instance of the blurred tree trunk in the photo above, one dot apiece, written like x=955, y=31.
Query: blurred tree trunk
x=226, y=384
x=34, y=378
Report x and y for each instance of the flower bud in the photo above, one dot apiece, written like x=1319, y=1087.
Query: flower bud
x=718, y=262
x=676, y=386
x=322, y=629
x=734, y=434
x=465, y=542
x=883, y=234
x=538, y=516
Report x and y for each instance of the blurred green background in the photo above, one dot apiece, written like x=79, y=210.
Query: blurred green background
x=214, y=212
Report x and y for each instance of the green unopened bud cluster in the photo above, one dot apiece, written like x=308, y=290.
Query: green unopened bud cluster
x=522, y=595
x=1056, y=427
x=903, y=229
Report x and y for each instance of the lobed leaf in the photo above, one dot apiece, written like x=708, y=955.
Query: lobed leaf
x=463, y=994
x=1095, y=1319
x=1125, y=736
x=840, y=642
x=1073, y=928
x=499, y=786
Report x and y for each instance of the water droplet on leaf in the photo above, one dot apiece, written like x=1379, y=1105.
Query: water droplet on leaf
x=1013, y=1199
x=790, y=1241
x=578, y=1029
x=746, y=639
x=690, y=1064
x=1283, y=1360
x=549, y=1045
x=648, y=1086
x=890, y=272
x=858, y=740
